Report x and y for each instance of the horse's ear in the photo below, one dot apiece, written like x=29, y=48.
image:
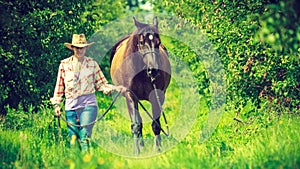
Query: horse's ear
x=138, y=24
x=155, y=22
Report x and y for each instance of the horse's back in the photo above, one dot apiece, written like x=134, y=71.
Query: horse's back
x=117, y=58
x=116, y=46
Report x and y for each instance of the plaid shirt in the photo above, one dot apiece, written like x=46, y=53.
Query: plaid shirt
x=72, y=85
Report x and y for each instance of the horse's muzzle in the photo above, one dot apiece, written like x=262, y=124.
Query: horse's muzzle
x=152, y=72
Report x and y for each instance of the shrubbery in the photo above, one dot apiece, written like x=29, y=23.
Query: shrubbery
x=33, y=33
x=258, y=42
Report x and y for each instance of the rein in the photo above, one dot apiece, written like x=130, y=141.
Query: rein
x=110, y=106
x=143, y=107
x=98, y=119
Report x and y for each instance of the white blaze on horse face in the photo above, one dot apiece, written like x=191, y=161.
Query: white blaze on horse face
x=151, y=37
x=150, y=56
x=146, y=47
x=150, y=61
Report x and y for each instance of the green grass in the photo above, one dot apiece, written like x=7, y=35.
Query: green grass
x=276, y=146
x=263, y=140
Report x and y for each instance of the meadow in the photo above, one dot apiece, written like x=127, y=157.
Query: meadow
x=266, y=139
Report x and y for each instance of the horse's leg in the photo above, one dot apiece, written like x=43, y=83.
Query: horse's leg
x=139, y=123
x=136, y=126
x=157, y=99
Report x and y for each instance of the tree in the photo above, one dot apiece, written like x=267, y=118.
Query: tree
x=258, y=42
x=33, y=33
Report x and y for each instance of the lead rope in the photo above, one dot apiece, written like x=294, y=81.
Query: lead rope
x=143, y=107
x=93, y=122
x=109, y=107
x=157, y=97
x=59, y=130
x=161, y=109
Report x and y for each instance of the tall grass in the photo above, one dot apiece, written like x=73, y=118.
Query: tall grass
x=262, y=140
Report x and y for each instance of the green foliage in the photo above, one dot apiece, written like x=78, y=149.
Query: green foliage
x=32, y=40
x=280, y=26
x=280, y=30
x=258, y=42
x=11, y=146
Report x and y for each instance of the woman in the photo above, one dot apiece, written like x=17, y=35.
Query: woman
x=78, y=78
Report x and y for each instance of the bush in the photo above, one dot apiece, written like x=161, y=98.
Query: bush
x=32, y=40
x=258, y=42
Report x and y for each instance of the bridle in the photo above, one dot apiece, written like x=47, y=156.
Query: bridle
x=145, y=49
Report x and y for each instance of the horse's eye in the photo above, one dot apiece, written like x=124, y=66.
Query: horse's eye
x=142, y=43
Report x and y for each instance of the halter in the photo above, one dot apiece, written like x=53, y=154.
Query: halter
x=149, y=50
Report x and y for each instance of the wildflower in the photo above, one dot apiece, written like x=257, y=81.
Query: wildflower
x=100, y=160
x=119, y=164
x=87, y=157
x=70, y=163
x=73, y=140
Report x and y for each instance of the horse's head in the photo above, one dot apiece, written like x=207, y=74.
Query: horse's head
x=148, y=42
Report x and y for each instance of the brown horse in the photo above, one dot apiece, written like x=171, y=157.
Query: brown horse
x=140, y=62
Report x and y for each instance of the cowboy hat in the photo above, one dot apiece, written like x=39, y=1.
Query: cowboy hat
x=78, y=40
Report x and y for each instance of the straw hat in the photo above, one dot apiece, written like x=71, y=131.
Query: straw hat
x=78, y=40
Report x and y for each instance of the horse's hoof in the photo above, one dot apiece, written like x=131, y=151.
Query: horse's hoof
x=136, y=147
x=136, y=152
x=157, y=143
x=157, y=149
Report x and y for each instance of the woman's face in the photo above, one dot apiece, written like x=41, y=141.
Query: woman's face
x=79, y=52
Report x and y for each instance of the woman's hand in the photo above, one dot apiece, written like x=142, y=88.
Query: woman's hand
x=121, y=89
x=57, y=110
x=111, y=88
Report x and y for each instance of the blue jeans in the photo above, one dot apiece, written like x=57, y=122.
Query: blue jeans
x=81, y=116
